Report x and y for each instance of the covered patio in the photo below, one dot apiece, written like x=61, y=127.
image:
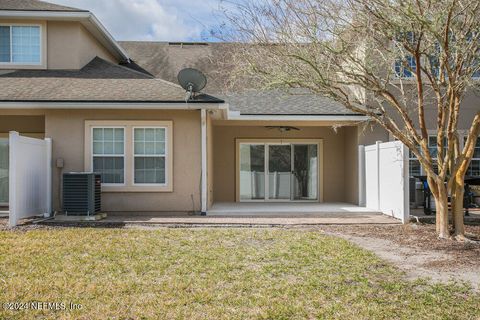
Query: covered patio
x=289, y=166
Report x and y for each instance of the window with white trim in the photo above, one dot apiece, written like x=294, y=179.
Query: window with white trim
x=405, y=64
x=432, y=147
x=404, y=68
x=20, y=44
x=108, y=154
x=415, y=168
x=476, y=72
x=149, y=155
x=131, y=155
x=474, y=168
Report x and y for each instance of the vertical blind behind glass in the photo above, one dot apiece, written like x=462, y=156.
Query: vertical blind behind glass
x=108, y=150
x=149, y=149
x=20, y=44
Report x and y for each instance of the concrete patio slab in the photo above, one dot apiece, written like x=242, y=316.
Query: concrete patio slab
x=252, y=214
x=231, y=221
x=288, y=209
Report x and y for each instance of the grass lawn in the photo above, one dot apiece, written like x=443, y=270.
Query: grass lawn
x=213, y=274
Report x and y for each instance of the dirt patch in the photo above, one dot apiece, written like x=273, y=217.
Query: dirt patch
x=416, y=249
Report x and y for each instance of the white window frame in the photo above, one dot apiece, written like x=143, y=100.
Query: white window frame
x=414, y=158
x=465, y=135
x=431, y=133
x=165, y=155
x=402, y=75
x=278, y=141
x=129, y=165
x=92, y=155
x=42, y=44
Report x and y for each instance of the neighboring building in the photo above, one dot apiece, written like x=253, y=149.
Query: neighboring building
x=114, y=108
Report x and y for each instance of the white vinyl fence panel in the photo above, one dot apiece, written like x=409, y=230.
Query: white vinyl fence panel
x=29, y=177
x=371, y=177
x=386, y=179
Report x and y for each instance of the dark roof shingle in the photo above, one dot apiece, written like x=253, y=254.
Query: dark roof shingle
x=275, y=102
x=98, y=81
x=35, y=5
x=95, y=69
x=164, y=60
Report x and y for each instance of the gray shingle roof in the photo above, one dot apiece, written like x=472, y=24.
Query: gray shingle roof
x=98, y=81
x=34, y=5
x=165, y=60
x=95, y=69
x=274, y=102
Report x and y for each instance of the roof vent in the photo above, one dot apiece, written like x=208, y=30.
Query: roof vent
x=184, y=44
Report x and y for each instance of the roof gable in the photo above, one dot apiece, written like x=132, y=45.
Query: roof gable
x=41, y=10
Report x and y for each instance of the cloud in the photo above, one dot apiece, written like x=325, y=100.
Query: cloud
x=162, y=20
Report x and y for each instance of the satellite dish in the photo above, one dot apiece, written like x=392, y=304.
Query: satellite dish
x=192, y=80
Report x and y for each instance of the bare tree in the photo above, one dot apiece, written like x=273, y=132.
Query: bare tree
x=403, y=63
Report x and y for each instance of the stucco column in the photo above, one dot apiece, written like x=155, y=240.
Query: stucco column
x=203, y=134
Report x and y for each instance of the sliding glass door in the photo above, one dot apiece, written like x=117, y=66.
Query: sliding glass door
x=305, y=171
x=252, y=172
x=278, y=171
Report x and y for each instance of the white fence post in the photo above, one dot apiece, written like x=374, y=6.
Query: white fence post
x=406, y=184
x=361, y=176
x=377, y=150
x=48, y=169
x=12, y=179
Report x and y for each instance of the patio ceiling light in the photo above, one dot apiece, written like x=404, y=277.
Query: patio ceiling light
x=283, y=128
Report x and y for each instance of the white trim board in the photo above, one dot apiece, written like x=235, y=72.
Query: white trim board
x=349, y=118
x=111, y=105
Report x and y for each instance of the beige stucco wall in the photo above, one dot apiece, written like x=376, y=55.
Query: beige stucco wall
x=369, y=133
x=469, y=107
x=71, y=46
x=66, y=128
x=65, y=45
x=91, y=47
x=224, y=183
x=22, y=124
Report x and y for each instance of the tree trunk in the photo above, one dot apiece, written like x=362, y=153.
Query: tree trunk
x=439, y=192
x=457, y=207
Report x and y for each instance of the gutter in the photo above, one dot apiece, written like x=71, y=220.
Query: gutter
x=145, y=105
x=235, y=115
x=86, y=17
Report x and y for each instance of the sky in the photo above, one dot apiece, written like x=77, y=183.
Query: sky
x=154, y=20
